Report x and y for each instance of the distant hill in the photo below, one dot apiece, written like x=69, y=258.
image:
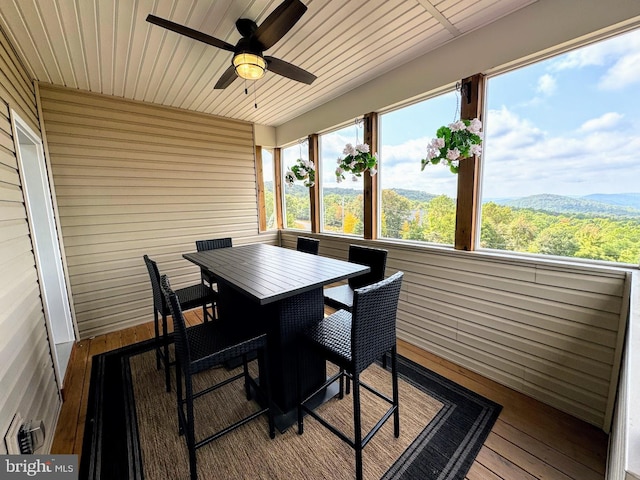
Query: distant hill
x=585, y=205
x=415, y=195
x=611, y=205
x=624, y=199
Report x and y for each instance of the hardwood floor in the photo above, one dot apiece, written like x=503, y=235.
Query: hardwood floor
x=529, y=441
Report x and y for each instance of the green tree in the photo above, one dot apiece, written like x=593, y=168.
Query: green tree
x=396, y=210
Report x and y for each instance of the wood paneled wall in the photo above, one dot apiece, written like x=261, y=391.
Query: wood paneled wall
x=544, y=328
x=27, y=378
x=134, y=179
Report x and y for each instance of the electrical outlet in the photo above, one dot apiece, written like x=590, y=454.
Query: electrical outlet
x=11, y=437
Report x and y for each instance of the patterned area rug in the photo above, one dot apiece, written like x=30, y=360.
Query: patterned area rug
x=131, y=428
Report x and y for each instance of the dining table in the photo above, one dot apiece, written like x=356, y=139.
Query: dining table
x=279, y=291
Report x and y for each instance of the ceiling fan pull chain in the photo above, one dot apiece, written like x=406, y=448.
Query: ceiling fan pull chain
x=255, y=101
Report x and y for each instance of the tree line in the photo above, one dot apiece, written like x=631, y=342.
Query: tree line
x=424, y=217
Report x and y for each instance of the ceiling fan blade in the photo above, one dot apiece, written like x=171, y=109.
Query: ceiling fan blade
x=226, y=79
x=279, y=22
x=288, y=70
x=189, y=32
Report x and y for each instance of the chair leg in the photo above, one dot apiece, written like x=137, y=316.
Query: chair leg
x=179, y=397
x=394, y=380
x=357, y=425
x=267, y=391
x=299, y=395
x=156, y=328
x=247, y=385
x=191, y=439
x=165, y=337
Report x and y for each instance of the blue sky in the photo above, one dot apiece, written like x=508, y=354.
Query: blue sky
x=568, y=125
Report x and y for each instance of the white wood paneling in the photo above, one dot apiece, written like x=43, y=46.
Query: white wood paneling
x=106, y=46
x=27, y=378
x=133, y=179
x=546, y=329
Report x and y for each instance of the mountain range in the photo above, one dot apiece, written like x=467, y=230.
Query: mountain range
x=618, y=205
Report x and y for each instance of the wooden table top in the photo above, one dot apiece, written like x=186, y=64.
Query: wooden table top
x=268, y=273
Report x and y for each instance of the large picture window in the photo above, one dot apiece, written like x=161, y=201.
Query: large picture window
x=269, y=190
x=297, y=206
x=560, y=163
x=416, y=205
x=342, y=203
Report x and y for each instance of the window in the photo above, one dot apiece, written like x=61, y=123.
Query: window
x=416, y=205
x=269, y=190
x=560, y=163
x=297, y=206
x=342, y=203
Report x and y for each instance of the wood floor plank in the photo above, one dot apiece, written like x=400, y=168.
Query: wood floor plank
x=546, y=453
x=500, y=466
x=569, y=435
x=523, y=459
x=65, y=434
x=128, y=336
x=480, y=472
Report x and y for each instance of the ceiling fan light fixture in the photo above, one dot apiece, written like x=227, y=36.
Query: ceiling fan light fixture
x=250, y=66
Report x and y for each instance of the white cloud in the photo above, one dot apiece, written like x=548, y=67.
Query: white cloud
x=523, y=160
x=622, y=52
x=625, y=72
x=604, y=122
x=546, y=85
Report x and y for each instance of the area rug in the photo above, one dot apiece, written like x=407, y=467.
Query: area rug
x=131, y=428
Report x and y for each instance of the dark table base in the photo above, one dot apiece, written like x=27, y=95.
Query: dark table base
x=283, y=321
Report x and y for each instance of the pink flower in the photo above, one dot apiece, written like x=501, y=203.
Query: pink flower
x=475, y=150
x=363, y=147
x=475, y=126
x=459, y=125
x=453, y=154
x=349, y=150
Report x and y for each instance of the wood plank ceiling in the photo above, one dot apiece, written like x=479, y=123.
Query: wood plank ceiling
x=106, y=46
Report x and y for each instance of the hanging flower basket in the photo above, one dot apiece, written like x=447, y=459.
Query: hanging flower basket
x=303, y=170
x=453, y=143
x=357, y=160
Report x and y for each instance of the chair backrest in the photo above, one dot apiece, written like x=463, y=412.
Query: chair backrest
x=179, y=328
x=154, y=276
x=373, y=328
x=375, y=258
x=308, y=245
x=214, y=243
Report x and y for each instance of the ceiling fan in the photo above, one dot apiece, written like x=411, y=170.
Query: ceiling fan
x=248, y=60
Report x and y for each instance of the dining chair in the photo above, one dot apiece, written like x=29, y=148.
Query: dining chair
x=189, y=297
x=212, y=244
x=308, y=245
x=202, y=347
x=341, y=296
x=353, y=341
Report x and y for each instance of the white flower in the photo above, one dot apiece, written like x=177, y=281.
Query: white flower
x=349, y=150
x=459, y=125
x=437, y=143
x=373, y=171
x=453, y=154
x=475, y=150
x=475, y=126
x=363, y=147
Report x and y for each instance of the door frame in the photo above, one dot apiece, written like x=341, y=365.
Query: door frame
x=52, y=279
